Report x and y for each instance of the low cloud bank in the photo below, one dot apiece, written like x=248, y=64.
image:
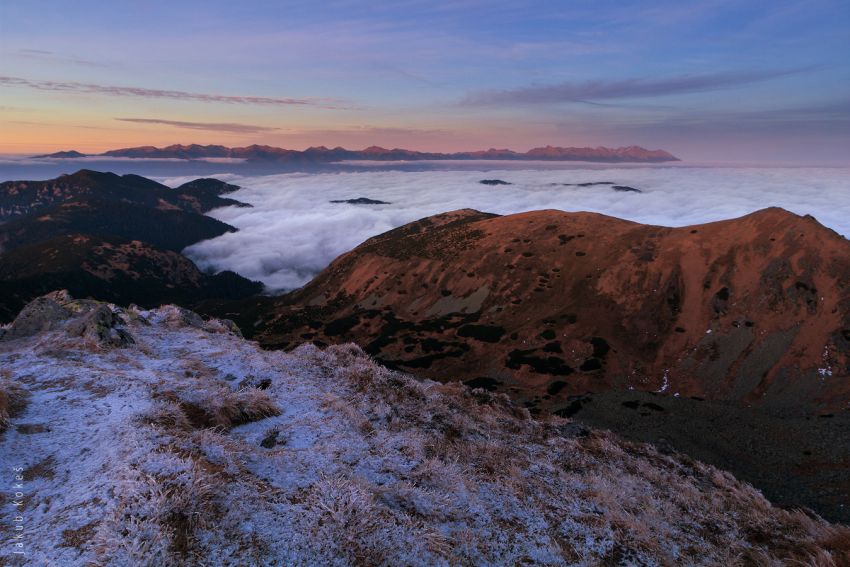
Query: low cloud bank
x=293, y=231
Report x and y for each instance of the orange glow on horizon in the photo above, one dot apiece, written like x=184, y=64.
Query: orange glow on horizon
x=21, y=136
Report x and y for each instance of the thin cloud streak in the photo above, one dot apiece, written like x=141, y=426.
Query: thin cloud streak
x=591, y=91
x=379, y=131
x=211, y=126
x=827, y=119
x=54, y=125
x=89, y=88
x=53, y=57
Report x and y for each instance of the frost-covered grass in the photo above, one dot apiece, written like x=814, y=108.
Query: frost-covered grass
x=13, y=399
x=191, y=445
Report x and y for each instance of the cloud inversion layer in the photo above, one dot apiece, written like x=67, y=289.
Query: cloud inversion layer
x=90, y=88
x=293, y=231
x=623, y=89
x=212, y=126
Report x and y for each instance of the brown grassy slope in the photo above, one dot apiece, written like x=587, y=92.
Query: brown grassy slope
x=547, y=304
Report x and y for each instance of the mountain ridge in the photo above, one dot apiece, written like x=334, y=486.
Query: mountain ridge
x=115, y=237
x=21, y=197
x=752, y=310
x=322, y=154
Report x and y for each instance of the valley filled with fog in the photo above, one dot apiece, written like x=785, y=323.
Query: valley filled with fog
x=293, y=230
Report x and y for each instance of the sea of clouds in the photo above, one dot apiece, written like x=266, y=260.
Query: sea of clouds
x=293, y=231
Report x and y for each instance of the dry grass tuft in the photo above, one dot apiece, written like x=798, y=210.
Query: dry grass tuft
x=217, y=406
x=347, y=516
x=13, y=400
x=167, y=415
x=157, y=518
x=244, y=406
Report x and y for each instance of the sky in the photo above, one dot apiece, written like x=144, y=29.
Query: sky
x=715, y=80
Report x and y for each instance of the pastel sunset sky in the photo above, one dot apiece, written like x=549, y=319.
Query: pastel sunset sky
x=711, y=80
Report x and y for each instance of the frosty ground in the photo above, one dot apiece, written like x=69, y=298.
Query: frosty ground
x=158, y=438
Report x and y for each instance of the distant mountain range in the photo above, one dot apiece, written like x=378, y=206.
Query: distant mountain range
x=321, y=154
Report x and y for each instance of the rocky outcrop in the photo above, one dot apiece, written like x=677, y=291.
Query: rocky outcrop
x=42, y=314
x=99, y=323
x=91, y=320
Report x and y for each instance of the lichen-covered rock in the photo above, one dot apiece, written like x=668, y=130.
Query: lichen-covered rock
x=100, y=324
x=92, y=320
x=177, y=317
x=41, y=314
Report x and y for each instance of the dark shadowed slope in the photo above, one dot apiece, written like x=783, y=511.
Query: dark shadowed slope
x=109, y=236
x=169, y=228
x=124, y=271
x=21, y=198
